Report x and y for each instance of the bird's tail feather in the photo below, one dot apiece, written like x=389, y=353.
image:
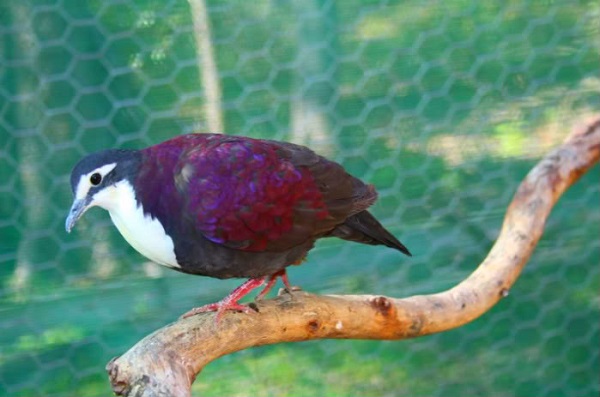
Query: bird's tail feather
x=364, y=228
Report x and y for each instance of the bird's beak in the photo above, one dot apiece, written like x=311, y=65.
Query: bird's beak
x=77, y=209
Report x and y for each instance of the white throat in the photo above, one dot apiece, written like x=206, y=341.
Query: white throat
x=142, y=232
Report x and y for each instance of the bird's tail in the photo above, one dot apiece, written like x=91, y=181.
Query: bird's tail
x=364, y=228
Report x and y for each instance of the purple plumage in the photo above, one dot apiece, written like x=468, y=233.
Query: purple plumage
x=243, y=195
x=242, y=207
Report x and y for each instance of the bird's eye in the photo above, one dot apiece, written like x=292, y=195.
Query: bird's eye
x=95, y=179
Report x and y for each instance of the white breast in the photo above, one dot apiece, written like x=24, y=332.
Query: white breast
x=142, y=232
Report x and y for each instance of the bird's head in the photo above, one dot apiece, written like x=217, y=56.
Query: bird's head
x=96, y=180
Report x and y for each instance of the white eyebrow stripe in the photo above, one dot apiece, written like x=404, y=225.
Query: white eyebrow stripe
x=84, y=185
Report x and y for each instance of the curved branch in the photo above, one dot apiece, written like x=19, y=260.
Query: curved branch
x=167, y=361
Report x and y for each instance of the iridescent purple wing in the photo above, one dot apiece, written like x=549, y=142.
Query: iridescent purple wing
x=258, y=195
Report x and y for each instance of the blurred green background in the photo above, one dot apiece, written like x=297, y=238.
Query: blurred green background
x=443, y=105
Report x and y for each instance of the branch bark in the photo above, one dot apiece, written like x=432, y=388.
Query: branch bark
x=166, y=362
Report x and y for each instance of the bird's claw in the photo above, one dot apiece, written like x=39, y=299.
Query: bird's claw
x=230, y=302
x=219, y=307
x=288, y=290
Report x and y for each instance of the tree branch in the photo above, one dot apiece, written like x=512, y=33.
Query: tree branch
x=167, y=361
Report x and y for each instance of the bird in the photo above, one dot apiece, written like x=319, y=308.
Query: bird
x=226, y=206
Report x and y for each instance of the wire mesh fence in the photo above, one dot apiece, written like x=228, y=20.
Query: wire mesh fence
x=444, y=106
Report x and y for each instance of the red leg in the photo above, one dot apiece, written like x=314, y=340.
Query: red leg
x=272, y=280
x=285, y=280
x=230, y=302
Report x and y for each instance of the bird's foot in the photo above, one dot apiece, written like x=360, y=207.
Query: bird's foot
x=272, y=280
x=289, y=290
x=230, y=302
x=220, y=307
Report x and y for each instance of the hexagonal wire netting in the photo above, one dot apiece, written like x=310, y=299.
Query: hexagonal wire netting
x=444, y=106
